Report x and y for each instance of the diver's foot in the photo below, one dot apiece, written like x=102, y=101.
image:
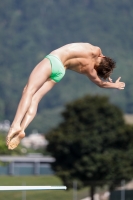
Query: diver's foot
x=12, y=132
x=16, y=140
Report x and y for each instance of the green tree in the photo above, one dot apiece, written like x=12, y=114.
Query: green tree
x=91, y=144
x=32, y=29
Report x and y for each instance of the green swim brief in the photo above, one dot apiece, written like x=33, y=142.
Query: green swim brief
x=58, y=69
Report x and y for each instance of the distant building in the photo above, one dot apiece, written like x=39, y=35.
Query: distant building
x=32, y=164
x=128, y=118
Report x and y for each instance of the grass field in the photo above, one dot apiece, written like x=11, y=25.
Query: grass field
x=36, y=195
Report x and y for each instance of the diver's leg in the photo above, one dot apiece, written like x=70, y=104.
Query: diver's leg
x=38, y=77
x=29, y=116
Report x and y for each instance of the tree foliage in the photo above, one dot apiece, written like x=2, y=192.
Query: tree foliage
x=31, y=29
x=93, y=144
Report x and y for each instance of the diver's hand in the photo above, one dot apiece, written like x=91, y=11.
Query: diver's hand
x=110, y=80
x=119, y=85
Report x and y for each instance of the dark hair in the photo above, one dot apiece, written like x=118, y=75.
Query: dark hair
x=105, y=68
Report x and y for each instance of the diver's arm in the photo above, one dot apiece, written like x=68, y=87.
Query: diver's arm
x=92, y=75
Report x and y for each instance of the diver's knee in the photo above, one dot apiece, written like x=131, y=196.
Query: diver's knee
x=29, y=90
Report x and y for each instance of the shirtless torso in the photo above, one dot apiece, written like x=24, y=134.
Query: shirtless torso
x=78, y=57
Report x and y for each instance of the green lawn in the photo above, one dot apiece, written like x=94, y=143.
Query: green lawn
x=36, y=195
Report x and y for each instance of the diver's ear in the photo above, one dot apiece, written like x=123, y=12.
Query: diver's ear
x=102, y=56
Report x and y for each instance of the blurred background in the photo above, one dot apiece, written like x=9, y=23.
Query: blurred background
x=82, y=134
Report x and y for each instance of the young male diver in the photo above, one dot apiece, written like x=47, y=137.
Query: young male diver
x=83, y=58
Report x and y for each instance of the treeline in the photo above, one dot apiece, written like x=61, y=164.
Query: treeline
x=92, y=145
x=31, y=29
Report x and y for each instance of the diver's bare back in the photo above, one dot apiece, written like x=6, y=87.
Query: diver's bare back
x=78, y=56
